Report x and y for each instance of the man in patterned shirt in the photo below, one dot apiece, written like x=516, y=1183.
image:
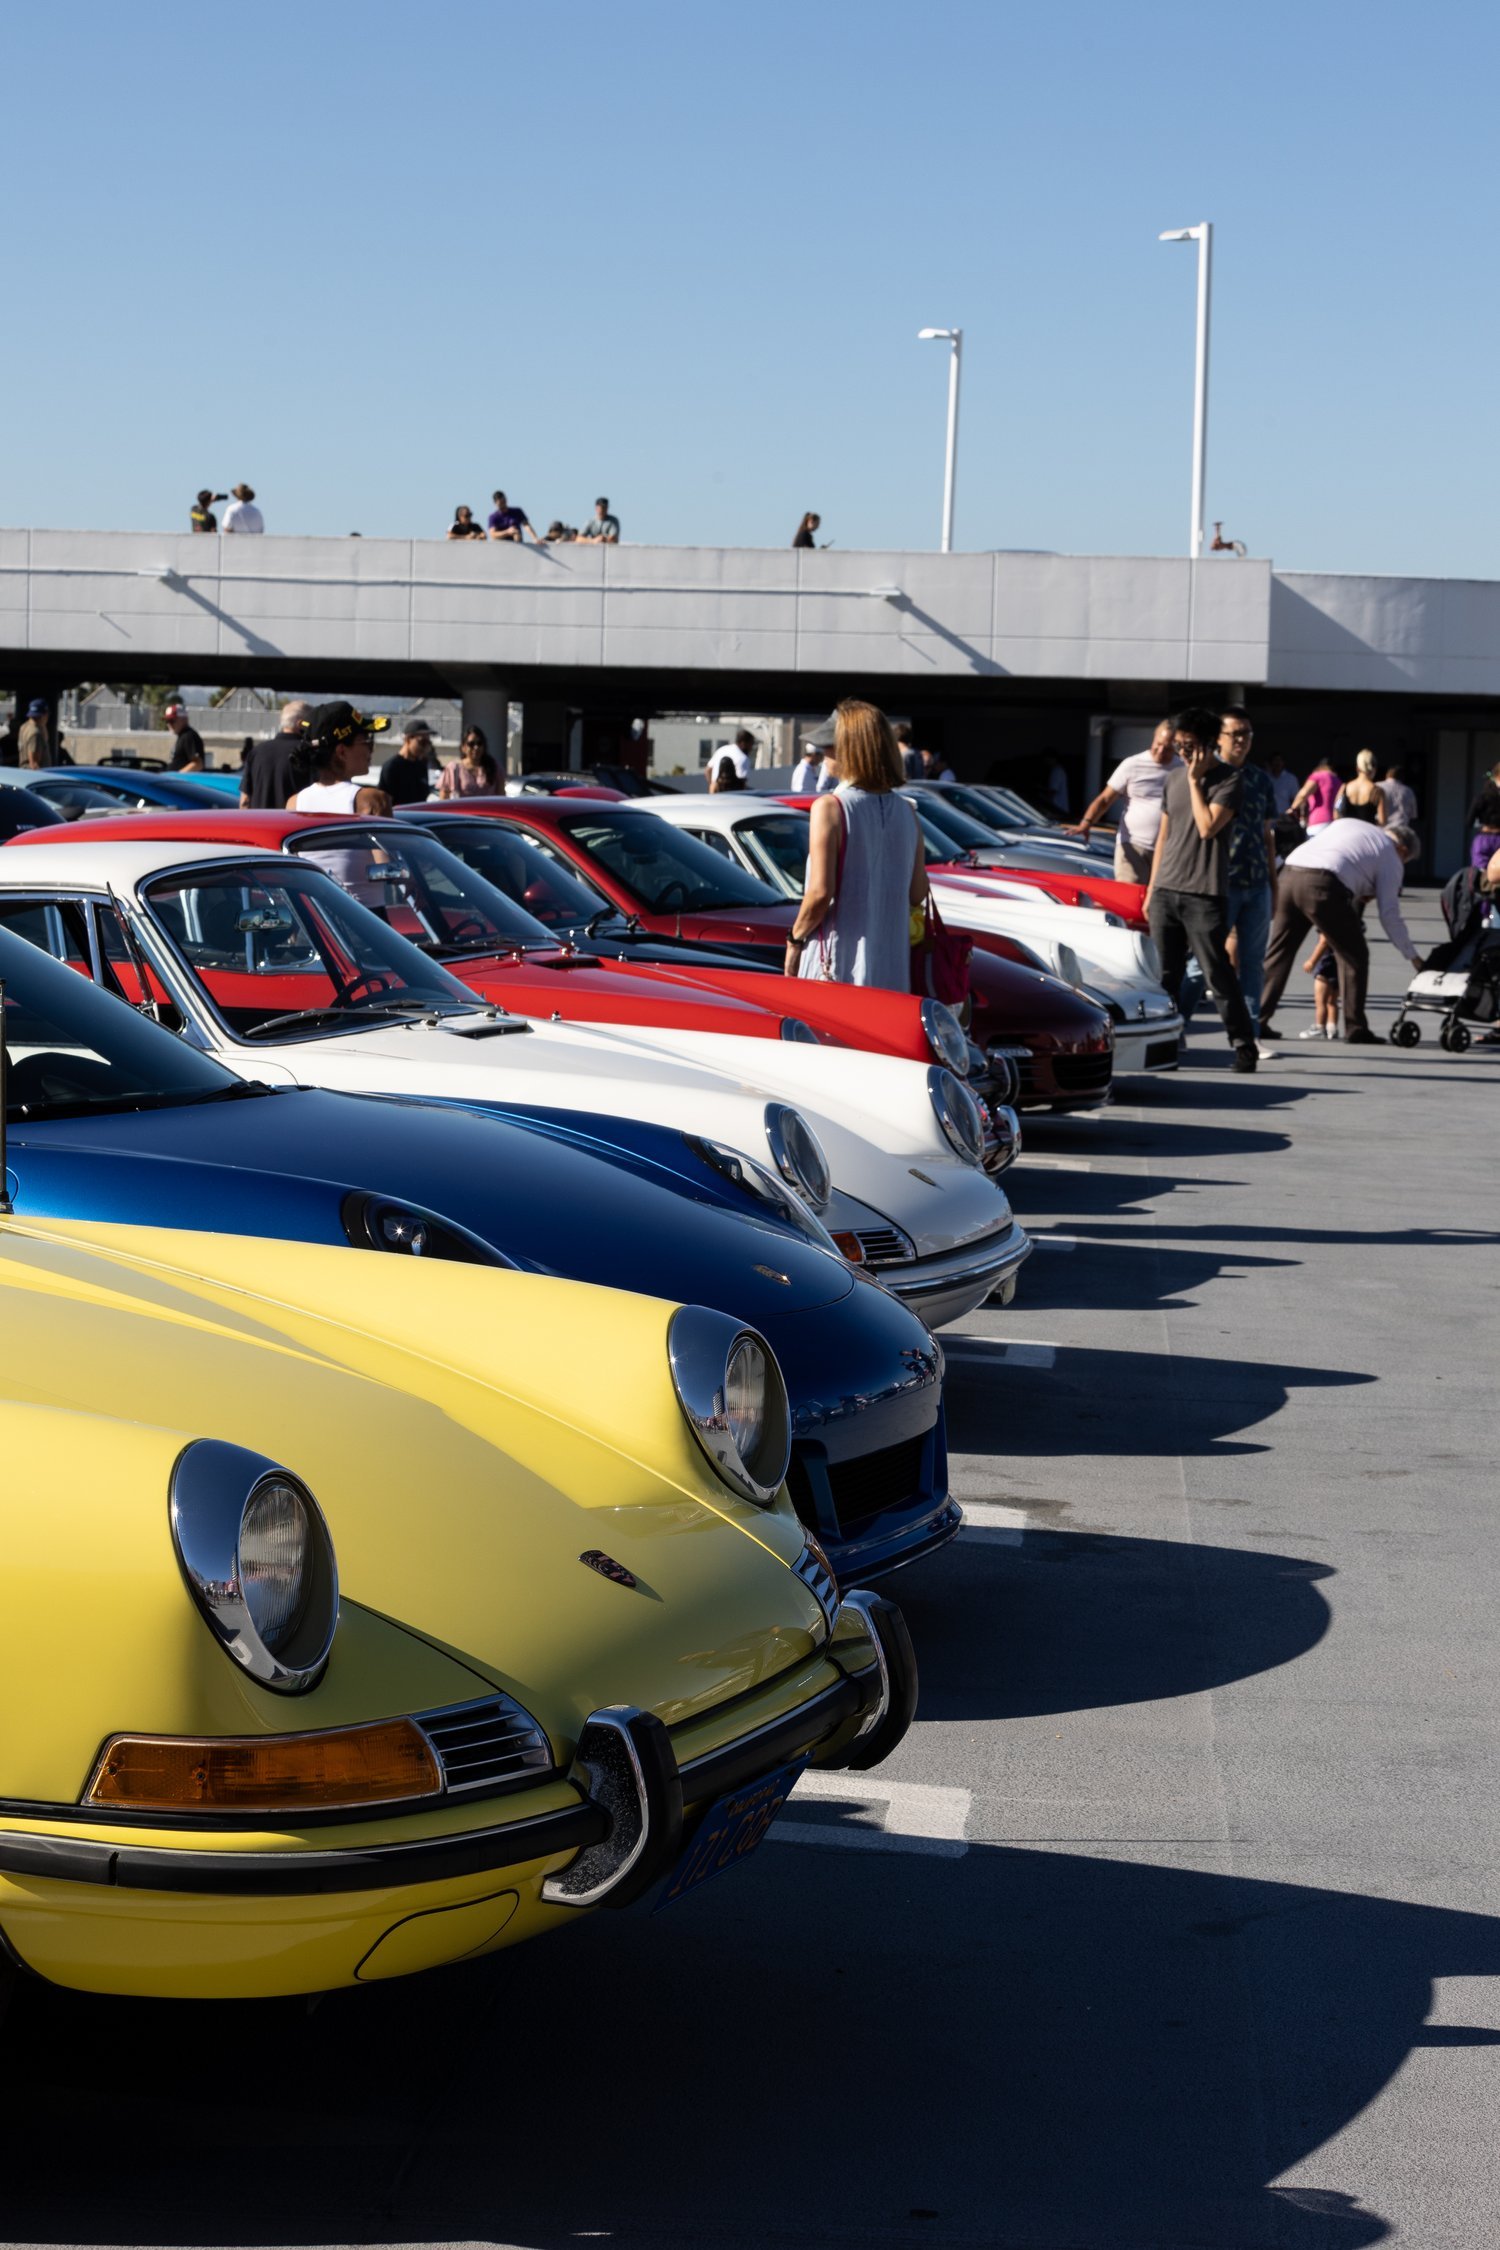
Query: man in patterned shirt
x=1252, y=862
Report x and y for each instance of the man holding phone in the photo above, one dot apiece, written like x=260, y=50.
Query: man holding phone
x=1187, y=894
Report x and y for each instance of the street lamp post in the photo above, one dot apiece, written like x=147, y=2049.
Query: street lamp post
x=955, y=337
x=1203, y=235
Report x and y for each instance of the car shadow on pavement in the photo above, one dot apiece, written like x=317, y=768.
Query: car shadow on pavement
x=1377, y=1237
x=1115, y=1402
x=1134, y=1274
x=1076, y=1621
x=825, y=2048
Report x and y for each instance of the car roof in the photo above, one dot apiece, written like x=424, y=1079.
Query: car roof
x=264, y=831
x=726, y=810
x=539, y=811
x=93, y=864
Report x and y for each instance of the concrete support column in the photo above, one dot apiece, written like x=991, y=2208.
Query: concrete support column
x=489, y=709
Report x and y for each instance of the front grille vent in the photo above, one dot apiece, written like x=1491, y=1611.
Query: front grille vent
x=1083, y=1074
x=486, y=1745
x=868, y=1487
x=884, y=1246
x=1162, y=1054
x=815, y=1577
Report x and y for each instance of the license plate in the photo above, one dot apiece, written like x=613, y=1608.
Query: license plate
x=731, y=1829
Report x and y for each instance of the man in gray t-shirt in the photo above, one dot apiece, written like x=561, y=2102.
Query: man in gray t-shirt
x=1190, y=875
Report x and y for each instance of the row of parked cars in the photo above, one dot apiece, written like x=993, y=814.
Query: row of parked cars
x=470, y=1349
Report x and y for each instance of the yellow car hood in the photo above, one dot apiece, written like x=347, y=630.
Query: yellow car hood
x=470, y=1434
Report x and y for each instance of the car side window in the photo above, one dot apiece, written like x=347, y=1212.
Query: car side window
x=55, y=926
x=716, y=842
x=124, y=972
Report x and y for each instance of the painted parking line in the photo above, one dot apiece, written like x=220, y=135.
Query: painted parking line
x=893, y=1816
x=1032, y=1163
x=1054, y=1242
x=989, y=1523
x=1016, y=1351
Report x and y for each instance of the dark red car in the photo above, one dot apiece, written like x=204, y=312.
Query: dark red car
x=669, y=886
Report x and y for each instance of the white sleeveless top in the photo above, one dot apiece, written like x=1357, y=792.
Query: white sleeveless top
x=866, y=937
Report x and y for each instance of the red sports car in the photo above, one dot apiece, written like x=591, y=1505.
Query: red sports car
x=668, y=885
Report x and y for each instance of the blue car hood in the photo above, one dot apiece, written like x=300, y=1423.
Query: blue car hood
x=627, y=1206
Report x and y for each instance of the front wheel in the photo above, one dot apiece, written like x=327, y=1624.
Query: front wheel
x=1457, y=1038
x=1406, y=1033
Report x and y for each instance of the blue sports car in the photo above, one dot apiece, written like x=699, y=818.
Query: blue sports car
x=109, y=1117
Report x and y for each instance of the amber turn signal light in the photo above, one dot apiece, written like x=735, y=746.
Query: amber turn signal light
x=852, y=1247
x=372, y=1765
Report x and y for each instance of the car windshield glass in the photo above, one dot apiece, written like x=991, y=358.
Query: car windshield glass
x=778, y=843
x=74, y=797
x=668, y=873
x=270, y=943
x=1017, y=808
x=982, y=809
x=158, y=789
x=420, y=889
x=533, y=873
x=70, y=1047
x=940, y=819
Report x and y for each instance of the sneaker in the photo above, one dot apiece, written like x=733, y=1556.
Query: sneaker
x=1314, y=1031
x=1361, y=1039
x=1330, y=1031
x=1266, y=1054
x=1245, y=1058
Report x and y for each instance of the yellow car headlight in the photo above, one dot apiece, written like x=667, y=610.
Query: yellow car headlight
x=732, y=1392
x=258, y=1560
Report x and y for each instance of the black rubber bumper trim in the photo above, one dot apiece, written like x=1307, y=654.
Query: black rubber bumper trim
x=719, y=1771
x=369, y=1867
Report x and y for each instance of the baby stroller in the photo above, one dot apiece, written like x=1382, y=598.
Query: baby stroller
x=1461, y=979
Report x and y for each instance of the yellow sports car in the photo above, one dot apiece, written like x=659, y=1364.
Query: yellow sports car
x=329, y=1654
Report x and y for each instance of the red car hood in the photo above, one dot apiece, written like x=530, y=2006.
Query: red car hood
x=740, y=925
x=1125, y=899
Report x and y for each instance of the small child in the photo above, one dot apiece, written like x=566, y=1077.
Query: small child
x=1323, y=962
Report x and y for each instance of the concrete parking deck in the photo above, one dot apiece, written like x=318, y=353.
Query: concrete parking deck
x=1175, y=1924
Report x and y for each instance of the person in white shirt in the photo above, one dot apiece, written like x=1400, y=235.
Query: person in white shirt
x=741, y=751
x=1323, y=884
x=1140, y=781
x=808, y=772
x=242, y=514
x=1400, y=801
x=333, y=750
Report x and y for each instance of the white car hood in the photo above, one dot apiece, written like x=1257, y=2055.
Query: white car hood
x=1110, y=956
x=911, y=1176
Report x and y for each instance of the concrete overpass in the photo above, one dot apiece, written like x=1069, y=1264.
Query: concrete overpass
x=1003, y=653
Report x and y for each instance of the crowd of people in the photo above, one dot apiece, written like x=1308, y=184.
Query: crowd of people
x=508, y=522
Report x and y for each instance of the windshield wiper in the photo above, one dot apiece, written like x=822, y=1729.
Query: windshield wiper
x=83, y=1105
x=365, y=1014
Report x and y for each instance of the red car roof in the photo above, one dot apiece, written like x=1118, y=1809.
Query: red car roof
x=265, y=830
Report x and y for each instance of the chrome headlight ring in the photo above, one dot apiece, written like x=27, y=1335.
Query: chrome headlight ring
x=959, y=1116
x=257, y=1557
x=946, y=1038
x=798, y=1153
x=730, y=1387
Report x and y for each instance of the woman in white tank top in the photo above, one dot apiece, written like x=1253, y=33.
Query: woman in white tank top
x=334, y=749
x=865, y=864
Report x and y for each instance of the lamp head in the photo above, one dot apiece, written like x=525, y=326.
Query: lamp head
x=930, y=335
x=1184, y=234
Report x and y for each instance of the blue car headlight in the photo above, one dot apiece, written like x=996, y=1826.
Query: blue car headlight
x=764, y=1187
x=377, y=1222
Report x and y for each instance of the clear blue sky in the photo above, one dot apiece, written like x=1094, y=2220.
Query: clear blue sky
x=378, y=259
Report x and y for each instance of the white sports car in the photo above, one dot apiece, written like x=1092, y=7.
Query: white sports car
x=267, y=963
x=1084, y=946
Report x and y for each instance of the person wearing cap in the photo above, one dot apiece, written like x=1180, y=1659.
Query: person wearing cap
x=808, y=771
x=333, y=751
x=187, y=752
x=404, y=777
x=242, y=514
x=37, y=747
x=201, y=515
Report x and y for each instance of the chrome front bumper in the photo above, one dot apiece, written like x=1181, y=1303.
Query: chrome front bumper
x=946, y=1286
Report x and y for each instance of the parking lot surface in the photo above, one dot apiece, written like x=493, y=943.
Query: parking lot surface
x=1176, y=1920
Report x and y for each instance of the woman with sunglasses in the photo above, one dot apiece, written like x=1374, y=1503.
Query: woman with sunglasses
x=474, y=773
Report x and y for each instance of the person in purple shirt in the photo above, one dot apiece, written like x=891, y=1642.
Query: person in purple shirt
x=507, y=522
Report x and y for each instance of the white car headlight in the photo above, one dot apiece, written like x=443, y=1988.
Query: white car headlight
x=731, y=1390
x=946, y=1037
x=797, y=1153
x=958, y=1113
x=258, y=1560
